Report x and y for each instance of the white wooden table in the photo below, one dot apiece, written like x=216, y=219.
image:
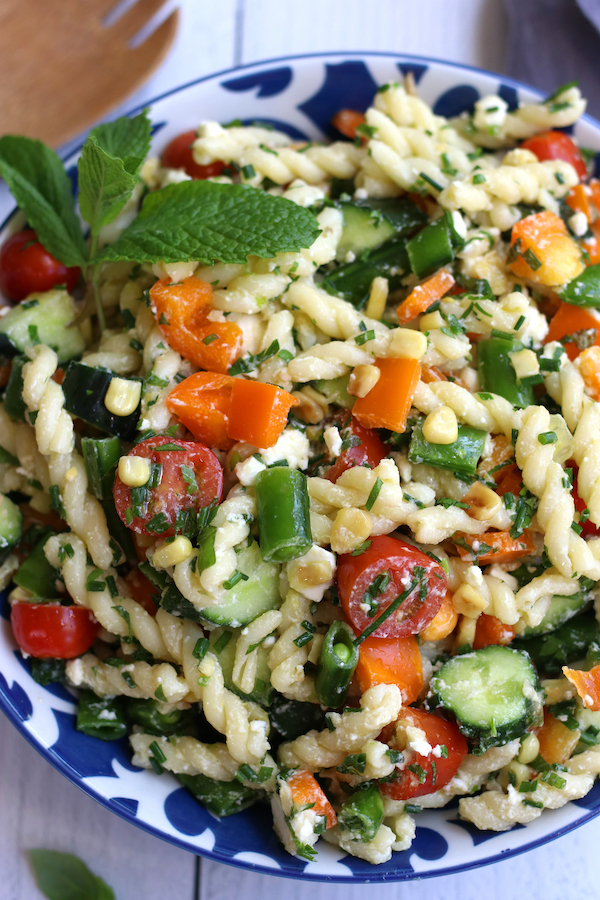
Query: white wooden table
x=40, y=808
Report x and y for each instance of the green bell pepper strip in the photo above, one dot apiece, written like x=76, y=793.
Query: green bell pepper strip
x=282, y=507
x=337, y=662
x=101, y=717
x=362, y=814
x=497, y=374
x=146, y=714
x=431, y=248
x=48, y=671
x=585, y=289
x=222, y=798
x=352, y=281
x=37, y=576
x=101, y=457
x=460, y=457
x=13, y=396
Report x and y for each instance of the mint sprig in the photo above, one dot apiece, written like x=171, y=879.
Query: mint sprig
x=62, y=876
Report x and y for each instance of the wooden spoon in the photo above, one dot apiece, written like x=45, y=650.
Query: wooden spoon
x=62, y=68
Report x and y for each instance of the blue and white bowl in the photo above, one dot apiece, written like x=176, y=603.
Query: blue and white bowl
x=298, y=95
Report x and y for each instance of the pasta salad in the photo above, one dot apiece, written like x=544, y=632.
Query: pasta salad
x=300, y=460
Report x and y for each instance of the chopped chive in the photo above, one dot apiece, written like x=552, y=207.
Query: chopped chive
x=374, y=494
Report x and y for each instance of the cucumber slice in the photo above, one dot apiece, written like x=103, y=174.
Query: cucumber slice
x=568, y=644
x=145, y=713
x=85, y=388
x=561, y=609
x=44, y=319
x=11, y=522
x=223, y=642
x=369, y=223
x=494, y=693
x=13, y=396
x=291, y=718
x=335, y=390
x=247, y=599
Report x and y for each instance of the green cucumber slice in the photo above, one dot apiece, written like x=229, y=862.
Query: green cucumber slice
x=85, y=389
x=561, y=609
x=223, y=643
x=45, y=319
x=11, y=522
x=247, y=599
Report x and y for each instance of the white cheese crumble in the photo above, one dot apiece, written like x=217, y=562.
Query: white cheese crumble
x=298, y=569
x=292, y=445
x=333, y=439
x=578, y=224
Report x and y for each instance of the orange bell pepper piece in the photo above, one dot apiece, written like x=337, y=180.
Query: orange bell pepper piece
x=258, y=412
x=347, y=121
x=201, y=402
x=503, y=548
x=142, y=590
x=589, y=366
x=490, y=630
x=568, y=320
x=430, y=374
x=391, y=661
x=181, y=311
x=511, y=482
x=443, y=623
x=545, y=236
x=502, y=452
x=387, y=404
x=587, y=684
x=423, y=295
x=306, y=790
x=557, y=742
x=578, y=200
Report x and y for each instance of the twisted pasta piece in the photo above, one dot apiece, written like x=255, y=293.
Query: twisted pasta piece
x=114, y=352
x=139, y=680
x=566, y=386
x=286, y=659
x=53, y=424
x=587, y=456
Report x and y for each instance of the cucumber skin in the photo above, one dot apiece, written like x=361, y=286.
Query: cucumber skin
x=263, y=690
x=566, y=645
x=11, y=522
x=558, y=613
x=533, y=716
x=52, y=317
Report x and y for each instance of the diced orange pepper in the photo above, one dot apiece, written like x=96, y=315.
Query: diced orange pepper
x=568, y=320
x=182, y=311
x=443, y=623
x=511, y=482
x=423, y=295
x=347, y=121
x=502, y=451
x=490, y=630
x=578, y=200
x=201, y=402
x=587, y=684
x=504, y=548
x=557, y=742
x=588, y=364
x=430, y=374
x=258, y=412
x=59, y=376
x=391, y=661
x=546, y=236
x=306, y=790
x=594, y=188
x=387, y=404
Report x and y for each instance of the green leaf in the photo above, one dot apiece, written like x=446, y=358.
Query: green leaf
x=585, y=289
x=42, y=189
x=62, y=876
x=109, y=168
x=204, y=221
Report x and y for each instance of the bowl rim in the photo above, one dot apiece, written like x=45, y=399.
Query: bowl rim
x=61, y=766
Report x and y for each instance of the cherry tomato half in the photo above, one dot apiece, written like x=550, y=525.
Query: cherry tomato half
x=44, y=630
x=184, y=475
x=365, y=446
x=142, y=590
x=26, y=267
x=178, y=155
x=435, y=771
x=395, y=561
x=556, y=145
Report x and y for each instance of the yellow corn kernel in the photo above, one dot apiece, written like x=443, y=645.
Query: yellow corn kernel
x=469, y=602
x=175, y=552
x=134, y=471
x=380, y=288
x=362, y=380
x=483, y=502
x=530, y=749
x=123, y=396
x=350, y=529
x=514, y=773
x=430, y=321
x=407, y=344
x=525, y=363
x=441, y=426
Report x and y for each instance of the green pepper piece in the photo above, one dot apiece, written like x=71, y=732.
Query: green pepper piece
x=460, y=457
x=585, y=289
x=592, y=657
x=101, y=717
x=291, y=718
x=497, y=374
x=13, y=396
x=362, y=814
x=337, y=662
x=146, y=714
x=335, y=390
x=282, y=508
x=222, y=798
x=48, y=671
x=353, y=280
x=101, y=457
x=431, y=248
x=206, y=548
x=37, y=576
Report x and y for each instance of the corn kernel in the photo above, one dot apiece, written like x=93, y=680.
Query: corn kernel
x=514, y=773
x=530, y=749
x=525, y=363
x=380, y=288
x=441, y=426
x=362, y=380
x=469, y=602
x=430, y=321
x=483, y=502
x=123, y=396
x=175, y=552
x=134, y=471
x=407, y=344
x=350, y=529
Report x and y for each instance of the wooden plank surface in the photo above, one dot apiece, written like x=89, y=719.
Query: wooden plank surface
x=38, y=807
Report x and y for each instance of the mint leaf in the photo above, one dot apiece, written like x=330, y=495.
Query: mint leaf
x=42, y=189
x=204, y=221
x=62, y=876
x=108, y=168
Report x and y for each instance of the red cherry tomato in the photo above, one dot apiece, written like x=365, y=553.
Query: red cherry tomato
x=365, y=446
x=398, y=560
x=435, y=771
x=26, y=267
x=45, y=630
x=178, y=155
x=186, y=478
x=556, y=145
x=588, y=529
x=142, y=590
